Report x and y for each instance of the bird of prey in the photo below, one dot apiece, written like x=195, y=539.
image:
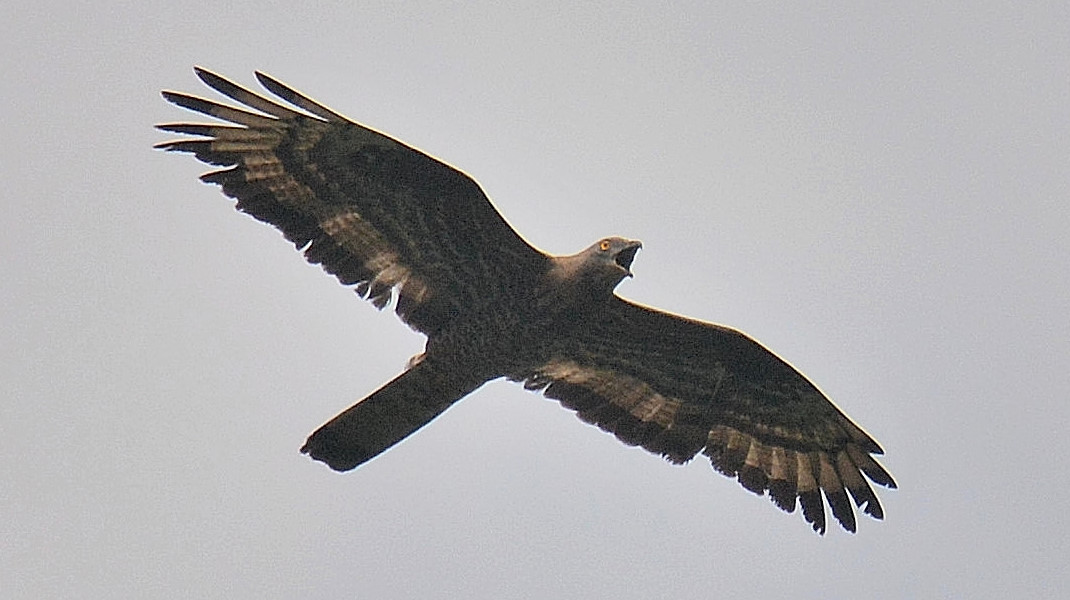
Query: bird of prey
x=412, y=232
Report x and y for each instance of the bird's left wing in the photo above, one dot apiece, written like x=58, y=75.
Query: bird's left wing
x=677, y=387
x=373, y=211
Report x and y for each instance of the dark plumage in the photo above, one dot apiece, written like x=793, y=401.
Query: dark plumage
x=397, y=223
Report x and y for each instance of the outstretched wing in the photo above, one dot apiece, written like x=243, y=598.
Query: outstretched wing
x=371, y=210
x=677, y=387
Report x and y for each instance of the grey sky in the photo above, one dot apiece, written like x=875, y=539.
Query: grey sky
x=878, y=194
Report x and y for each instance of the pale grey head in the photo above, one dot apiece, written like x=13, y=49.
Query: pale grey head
x=602, y=265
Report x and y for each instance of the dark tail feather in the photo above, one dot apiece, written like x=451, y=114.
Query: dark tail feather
x=371, y=426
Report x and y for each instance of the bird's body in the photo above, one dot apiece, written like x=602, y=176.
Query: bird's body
x=404, y=227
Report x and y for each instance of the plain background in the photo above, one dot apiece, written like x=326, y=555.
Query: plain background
x=877, y=193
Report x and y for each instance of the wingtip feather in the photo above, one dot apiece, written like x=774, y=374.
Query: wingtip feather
x=297, y=98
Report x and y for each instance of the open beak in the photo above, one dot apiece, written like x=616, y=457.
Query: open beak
x=625, y=257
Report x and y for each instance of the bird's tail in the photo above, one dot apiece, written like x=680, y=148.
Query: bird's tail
x=405, y=404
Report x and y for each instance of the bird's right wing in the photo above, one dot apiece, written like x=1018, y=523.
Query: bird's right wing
x=373, y=211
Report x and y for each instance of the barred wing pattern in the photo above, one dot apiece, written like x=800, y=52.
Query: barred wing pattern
x=371, y=210
x=677, y=387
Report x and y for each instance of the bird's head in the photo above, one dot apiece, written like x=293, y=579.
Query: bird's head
x=599, y=268
x=612, y=257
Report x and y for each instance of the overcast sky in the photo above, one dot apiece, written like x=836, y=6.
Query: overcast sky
x=879, y=195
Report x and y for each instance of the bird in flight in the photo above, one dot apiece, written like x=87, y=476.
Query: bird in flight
x=412, y=232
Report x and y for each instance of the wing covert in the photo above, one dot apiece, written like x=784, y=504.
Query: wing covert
x=374, y=212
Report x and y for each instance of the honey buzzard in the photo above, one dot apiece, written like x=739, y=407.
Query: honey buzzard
x=410, y=231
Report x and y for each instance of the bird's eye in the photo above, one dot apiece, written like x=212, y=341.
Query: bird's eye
x=604, y=245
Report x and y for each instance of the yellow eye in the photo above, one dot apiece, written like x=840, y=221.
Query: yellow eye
x=604, y=245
